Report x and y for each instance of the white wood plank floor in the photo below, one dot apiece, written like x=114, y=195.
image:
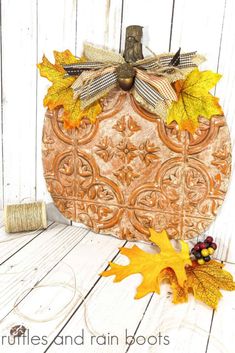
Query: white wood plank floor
x=40, y=271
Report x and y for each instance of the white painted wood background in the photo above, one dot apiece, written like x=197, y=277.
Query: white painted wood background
x=30, y=28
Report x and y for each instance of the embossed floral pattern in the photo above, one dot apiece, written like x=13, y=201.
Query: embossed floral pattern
x=126, y=150
x=222, y=158
x=132, y=126
x=126, y=175
x=104, y=150
x=120, y=125
x=47, y=144
x=129, y=171
x=148, y=152
x=123, y=126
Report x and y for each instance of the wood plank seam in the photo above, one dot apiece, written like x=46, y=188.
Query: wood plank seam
x=36, y=106
x=76, y=28
x=36, y=235
x=142, y=318
x=48, y=272
x=209, y=333
x=121, y=26
x=85, y=297
x=172, y=23
x=28, y=269
x=221, y=38
x=1, y=128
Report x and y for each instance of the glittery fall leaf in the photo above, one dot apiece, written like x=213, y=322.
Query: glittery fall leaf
x=204, y=281
x=150, y=265
x=194, y=100
x=61, y=93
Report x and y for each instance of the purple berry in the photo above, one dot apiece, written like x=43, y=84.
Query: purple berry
x=198, y=255
x=209, y=239
x=207, y=258
x=196, y=247
x=213, y=245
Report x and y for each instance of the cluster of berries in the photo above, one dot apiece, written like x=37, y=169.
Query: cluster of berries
x=203, y=250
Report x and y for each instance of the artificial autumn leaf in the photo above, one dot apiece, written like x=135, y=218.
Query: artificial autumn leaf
x=204, y=281
x=55, y=73
x=73, y=113
x=61, y=93
x=151, y=265
x=194, y=100
x=180, y=294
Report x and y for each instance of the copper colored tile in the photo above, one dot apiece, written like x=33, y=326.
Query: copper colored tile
x=130, y=171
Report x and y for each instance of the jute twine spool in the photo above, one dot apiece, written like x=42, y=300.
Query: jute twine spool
x=25, y=217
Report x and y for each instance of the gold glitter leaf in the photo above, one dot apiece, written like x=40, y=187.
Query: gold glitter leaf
x=204, y=281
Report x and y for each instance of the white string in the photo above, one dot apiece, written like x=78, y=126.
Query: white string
x=53, y=317
x=150, y=50
x=165, y=325
x=64, y=311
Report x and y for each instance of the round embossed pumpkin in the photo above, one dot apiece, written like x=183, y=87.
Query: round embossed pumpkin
x=130, y=171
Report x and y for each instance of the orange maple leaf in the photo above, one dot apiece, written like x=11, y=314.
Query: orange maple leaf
x=151, y=265
x=61, y=93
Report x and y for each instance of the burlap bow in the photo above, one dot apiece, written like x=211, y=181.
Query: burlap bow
x=154, y=76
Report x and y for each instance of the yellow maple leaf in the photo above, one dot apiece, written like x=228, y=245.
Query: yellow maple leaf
x=204, y=281
x=194, y=100
x=151, y=265
x=61, y=93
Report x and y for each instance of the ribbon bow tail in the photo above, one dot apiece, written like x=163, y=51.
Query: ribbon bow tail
x=154, y=93
x=92, y=85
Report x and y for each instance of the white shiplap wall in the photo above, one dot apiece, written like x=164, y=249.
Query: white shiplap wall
x=30, y=28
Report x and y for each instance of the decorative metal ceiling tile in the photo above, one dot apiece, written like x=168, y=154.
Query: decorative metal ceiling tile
x=130, y=171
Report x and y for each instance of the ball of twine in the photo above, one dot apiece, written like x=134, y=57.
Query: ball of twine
x=25, y=217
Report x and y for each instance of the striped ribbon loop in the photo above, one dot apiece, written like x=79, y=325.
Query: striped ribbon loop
x=77, y=69
x=161, y=84
x=147, y=92
x=152, y=83
x=186, y=61
x=98, y=84
x=90, y=83
x=93, y=90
